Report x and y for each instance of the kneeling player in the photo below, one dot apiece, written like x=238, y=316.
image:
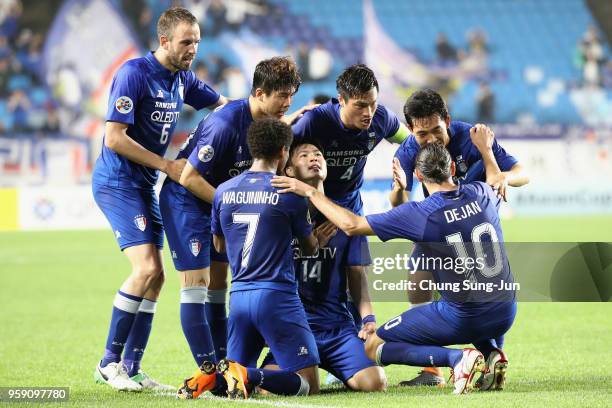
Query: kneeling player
x=322, y=282
x=417, y=336
x=256, y=224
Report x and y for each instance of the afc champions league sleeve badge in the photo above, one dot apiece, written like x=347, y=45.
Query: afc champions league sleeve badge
x=206, y=153
x=124, y=104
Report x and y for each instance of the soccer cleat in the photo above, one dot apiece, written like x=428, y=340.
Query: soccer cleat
x=115, y=375
x=331, y=379
x=428, y=376
x=148, y=383
x=236, y=377
x=494, y=376
x=204, y=379
x=463, y=373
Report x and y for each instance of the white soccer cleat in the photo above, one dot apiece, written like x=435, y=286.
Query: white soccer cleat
x=494, y=376
x=148, y=383
x=115, y=375
x=463, y=373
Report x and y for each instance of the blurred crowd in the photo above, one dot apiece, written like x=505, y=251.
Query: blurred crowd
x=591, y=58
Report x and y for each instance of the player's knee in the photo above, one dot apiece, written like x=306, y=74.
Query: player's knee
x=149, y=271
x=371, y=379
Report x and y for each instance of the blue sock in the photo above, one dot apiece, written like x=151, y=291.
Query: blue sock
x=125, y=308
x=139, y=336
x=194, y=324
x=419, y=355
x=279, y=382
x=217, y=319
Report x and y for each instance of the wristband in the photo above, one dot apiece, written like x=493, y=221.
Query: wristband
x=368, y=319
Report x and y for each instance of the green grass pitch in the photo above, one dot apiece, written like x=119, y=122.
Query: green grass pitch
x=56, y=290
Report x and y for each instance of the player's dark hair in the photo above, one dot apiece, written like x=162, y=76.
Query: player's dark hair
x=171, y=18
x=423, y=104
x=276, y=74
x=321, y=98
x=266, y=137
x=434, y=163
x=355, y=81
x=302, y=142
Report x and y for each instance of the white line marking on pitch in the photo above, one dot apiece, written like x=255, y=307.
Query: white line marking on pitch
x=253, y=401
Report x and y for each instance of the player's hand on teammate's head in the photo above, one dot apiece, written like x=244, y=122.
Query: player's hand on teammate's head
x=295, y=116
x=292, y=185
x=325, y=232
x=499, y=183
x=482, y=136
x=174, y=168
x=367, y=330
x=399, y=176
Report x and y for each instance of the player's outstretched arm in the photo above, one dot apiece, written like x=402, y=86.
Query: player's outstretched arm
x=350, y=223
x=357, y=278
x=117, y=139
x=193, y=181
x=291, y=119
x=219, y=243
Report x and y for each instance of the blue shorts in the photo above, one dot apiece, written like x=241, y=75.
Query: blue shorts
x=341, y=350
x=440, y=324
x=132, y=213
x=188, y=233
x=276, y=318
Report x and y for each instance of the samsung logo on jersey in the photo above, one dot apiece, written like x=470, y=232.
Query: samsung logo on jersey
x=166, y=105
x=463, y=212
x=250, y=197
x=165, y=117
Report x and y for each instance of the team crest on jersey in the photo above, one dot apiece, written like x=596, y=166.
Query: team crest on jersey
x=206, y=153
x=195, y=245
x=372, y=141
x=462, y=166
x=141, y=222
x=124, y=104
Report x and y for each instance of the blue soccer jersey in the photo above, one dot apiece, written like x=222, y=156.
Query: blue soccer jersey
x=217, y=149
x=346, y=150
x=322, y=279
x=258, y=224
x=451, y=228
x=148, y=98
x=462, y=151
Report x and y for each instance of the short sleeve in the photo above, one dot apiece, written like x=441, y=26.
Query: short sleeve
x=125, y=94
x=197, y=93
x=213, y=137
x=302, y=129
x=391, y=123
x=358, y=251
x=406, y=160
x=215, y=222
x=404, y=221
x=301, y=225
x=504, y=160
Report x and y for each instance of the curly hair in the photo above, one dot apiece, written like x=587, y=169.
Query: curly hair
x=276, y=74
x=355, y=81
x=173, y=17
x=266, y=137
x=434, y=163
x=423, y=104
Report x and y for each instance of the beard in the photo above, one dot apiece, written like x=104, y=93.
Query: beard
x=178, y=63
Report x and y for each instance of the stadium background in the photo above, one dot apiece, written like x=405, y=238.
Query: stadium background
x=538, y=71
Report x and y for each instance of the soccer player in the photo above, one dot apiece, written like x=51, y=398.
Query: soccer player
x=216, y=151
x=454, y=215
x=145, y=101
x=429, y=121
x=348, y=129
x=256, y=224
x=322, y=283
